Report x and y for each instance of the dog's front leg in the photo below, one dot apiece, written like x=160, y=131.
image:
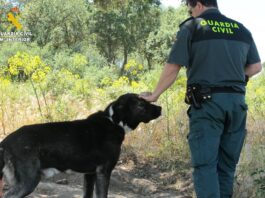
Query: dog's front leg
x=89, y=181
x=102, y=182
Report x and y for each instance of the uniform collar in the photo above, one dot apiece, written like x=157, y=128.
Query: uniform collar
x=210, y=11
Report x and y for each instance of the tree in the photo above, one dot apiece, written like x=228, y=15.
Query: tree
x=159, y=42
x=110, y=4
x=142, y=18
x=63, y=23
x=104, y=26
x=121, y=29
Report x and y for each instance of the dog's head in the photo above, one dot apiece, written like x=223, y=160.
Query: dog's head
x=129, y=110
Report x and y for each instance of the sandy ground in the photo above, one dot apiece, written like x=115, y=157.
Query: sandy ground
x=129, y=180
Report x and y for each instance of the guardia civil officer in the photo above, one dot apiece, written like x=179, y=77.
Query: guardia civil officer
x=220, y=56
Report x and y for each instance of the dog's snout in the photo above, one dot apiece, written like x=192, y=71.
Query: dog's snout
x=157, y=111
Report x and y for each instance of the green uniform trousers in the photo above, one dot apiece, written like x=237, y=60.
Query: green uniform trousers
x=216, y=137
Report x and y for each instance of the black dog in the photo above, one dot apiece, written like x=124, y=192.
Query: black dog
x=90, y=146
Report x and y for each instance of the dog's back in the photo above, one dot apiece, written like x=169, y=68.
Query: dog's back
x=57, y=143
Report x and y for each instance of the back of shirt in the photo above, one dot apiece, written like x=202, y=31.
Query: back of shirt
x=215, y=50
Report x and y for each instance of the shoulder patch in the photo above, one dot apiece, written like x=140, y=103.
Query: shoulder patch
x=186, y=21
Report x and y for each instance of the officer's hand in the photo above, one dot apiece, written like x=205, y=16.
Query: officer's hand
x=148, y=96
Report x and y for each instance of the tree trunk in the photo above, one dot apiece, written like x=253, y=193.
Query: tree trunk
x=125, y=59
x=149, y=62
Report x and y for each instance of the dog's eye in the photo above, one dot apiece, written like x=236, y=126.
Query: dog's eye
x=140, y=108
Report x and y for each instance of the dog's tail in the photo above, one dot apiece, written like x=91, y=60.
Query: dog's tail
x=2, y=164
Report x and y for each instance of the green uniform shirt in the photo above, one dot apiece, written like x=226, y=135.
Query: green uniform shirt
x=215, y=49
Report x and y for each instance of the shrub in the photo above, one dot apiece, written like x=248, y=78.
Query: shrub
x=132, y=70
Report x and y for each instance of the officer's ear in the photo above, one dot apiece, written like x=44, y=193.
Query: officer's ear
x=199, y=5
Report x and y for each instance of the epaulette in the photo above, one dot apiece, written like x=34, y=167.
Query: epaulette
x=188, y=19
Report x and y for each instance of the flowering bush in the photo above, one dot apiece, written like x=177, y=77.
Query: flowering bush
x=132, y=70
x=105, y=81
x=79, y=63
x=121, y=82
x=26, y=66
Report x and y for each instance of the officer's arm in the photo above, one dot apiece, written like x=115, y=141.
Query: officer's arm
x=167, y=78
x=252, y=69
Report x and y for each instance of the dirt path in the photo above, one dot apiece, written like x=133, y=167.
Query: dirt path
x=128, y=181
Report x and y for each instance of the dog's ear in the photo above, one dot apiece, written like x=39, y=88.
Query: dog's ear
x=119, y=105
x=122, y=101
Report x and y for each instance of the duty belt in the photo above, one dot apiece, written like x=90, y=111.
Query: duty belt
x=225, y=90
x=196, y=94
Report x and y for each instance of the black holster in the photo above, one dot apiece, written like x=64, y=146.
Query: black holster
x=196, y=95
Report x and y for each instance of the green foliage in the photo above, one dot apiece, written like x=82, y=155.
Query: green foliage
x=98, y=74
x=121, y=30
x=63, y=23
x=159, y=42
x=76, y=63
x=96, y=59
x=106, y=29
x=256, y=95
x=65, y=81
x=79, y=63
x=113, y=4
x=10, y=49
x=109, y=34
